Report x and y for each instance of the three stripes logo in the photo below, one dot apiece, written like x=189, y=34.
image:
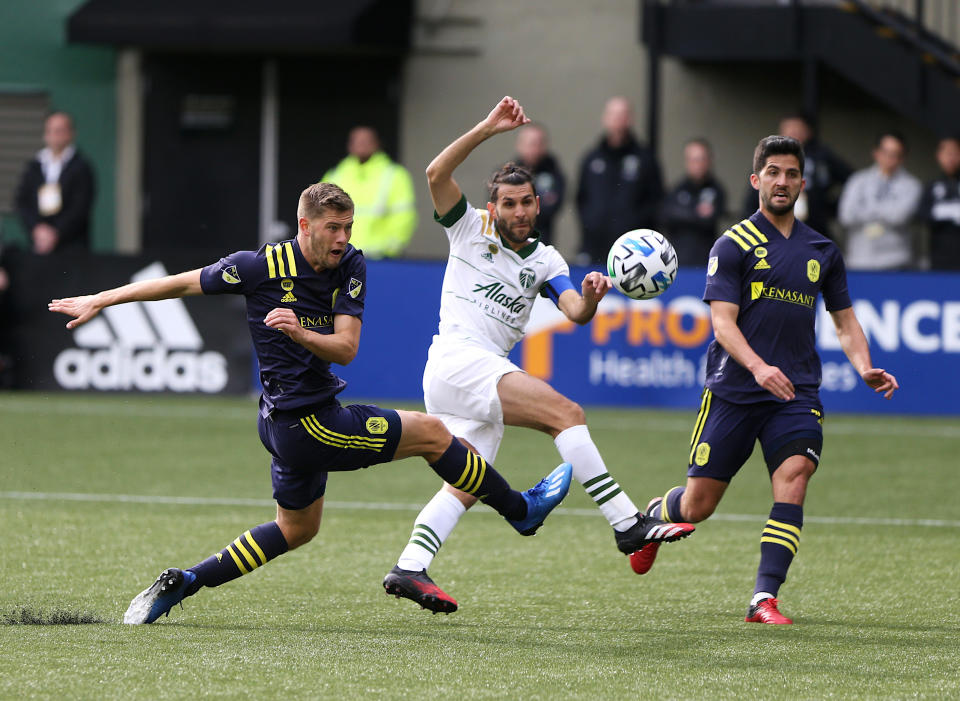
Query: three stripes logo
x=146, y=346
x=665, y=532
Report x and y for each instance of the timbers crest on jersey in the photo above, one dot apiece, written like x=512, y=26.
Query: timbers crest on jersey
x=527, y=278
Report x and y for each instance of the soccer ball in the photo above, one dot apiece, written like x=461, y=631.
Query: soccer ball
x=642, y=264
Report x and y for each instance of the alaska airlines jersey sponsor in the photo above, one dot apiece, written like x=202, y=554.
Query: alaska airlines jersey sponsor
x=775, y=281
x=488, y=288
x=278, y=275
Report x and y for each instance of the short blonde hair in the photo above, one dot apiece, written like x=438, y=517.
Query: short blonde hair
x=319, y=197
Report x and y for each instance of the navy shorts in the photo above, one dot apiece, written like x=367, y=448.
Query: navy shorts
x=725, y=433
x=308, y=443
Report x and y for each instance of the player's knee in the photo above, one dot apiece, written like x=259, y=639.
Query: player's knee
x=567, y=413
x=299, y=533
x=696, y=510
x=433, y=436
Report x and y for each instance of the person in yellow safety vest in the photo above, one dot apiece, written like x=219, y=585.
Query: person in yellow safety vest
x=384, y=216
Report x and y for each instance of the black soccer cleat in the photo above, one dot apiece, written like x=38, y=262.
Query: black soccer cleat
x=419, y=588
x=650, y=530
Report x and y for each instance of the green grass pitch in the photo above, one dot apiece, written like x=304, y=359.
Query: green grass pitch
x=101, y=493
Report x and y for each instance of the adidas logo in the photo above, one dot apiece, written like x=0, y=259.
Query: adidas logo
x=148, y=346
x=762, y=264
x=288, y=297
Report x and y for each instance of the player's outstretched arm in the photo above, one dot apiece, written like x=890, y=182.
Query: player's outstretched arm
x=338, y=347
x=770, y=377
x=855, y=346
x=580, y=308
x=507, y=115
x=85, y=307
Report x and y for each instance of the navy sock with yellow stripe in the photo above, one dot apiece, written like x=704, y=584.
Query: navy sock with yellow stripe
x=668, y=509
x=470, y=473
x=250, y=550
x=778, y=545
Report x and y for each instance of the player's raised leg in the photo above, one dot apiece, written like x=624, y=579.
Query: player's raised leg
x=692, y=504
x=530, y=402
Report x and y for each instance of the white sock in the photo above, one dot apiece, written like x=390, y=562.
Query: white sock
x=434, y=523
x=760, y=596
x=577, y=448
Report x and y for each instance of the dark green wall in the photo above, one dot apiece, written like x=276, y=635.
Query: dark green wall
x=80, y=79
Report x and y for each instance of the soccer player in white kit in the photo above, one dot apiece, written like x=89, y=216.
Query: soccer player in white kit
x=496, y=269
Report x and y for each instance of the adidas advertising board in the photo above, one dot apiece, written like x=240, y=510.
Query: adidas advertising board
x=194, y=344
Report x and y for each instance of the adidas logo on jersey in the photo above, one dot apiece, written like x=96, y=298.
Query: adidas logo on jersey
x=148, y=346
x=762, y=264
x=288, y=297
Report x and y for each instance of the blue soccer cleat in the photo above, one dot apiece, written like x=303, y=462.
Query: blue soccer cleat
x=161, y=596
x=543, y=498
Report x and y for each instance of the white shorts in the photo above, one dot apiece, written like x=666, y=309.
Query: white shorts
x=460, y=389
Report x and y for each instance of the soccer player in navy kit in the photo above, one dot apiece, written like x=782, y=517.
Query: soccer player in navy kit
x=763, y=372
x=304, y=309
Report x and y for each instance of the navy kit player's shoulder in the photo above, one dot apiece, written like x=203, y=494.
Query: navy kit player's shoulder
x=746, y=234
x=237, y=273
x=814, y=237
x=351, y=283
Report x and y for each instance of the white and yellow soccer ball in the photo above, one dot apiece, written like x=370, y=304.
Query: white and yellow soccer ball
x=642, y=264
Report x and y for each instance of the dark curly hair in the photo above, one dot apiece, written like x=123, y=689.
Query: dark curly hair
x=776, y=146
x=509, y=174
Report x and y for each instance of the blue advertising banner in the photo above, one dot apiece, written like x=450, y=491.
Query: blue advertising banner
x=651, y=353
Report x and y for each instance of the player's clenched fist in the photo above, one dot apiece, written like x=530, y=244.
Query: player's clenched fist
x=284, y=320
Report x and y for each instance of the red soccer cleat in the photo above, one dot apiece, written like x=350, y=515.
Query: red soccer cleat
x=418, y=587
x=642, y=560
x=765, y=611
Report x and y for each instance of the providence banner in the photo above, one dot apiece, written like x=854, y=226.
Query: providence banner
x=651, y=353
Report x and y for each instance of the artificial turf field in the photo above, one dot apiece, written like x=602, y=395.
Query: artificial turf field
x=101, y=493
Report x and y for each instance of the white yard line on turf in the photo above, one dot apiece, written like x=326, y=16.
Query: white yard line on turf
x=393, y=506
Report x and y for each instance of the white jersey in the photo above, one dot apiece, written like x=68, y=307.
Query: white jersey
x=488, y=288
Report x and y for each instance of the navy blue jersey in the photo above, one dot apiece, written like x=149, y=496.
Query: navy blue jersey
x=279, y=276
x=775, y=281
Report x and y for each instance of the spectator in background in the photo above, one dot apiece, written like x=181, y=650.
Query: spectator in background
x=532, y=146
x=824, y=171
x=385, y=216
x=620, y=187
x=940, y=208
x=877, y=206
x=56, y=191
x=691, y=209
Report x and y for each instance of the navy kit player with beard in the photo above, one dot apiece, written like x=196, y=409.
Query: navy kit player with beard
x=763, y=372
x=305, y=302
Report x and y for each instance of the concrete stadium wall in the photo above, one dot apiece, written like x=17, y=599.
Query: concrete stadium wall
x=563, y=59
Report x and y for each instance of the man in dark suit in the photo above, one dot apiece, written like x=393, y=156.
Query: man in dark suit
x=56, y=191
